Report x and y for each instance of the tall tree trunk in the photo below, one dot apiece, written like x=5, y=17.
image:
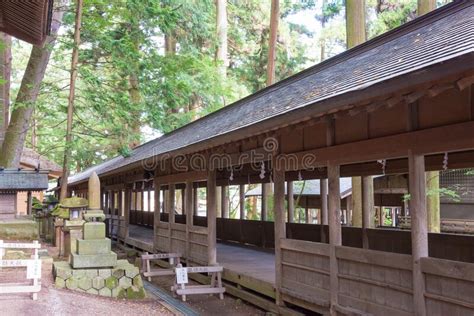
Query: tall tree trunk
x=322, y=41
x=170, y=45
x=425, y=6
x=355, y=32
x=221, y=6
x=70, y=107
x=355, y=22
x=5, y=73
x=274, y=19
x=134, y=88
x=433, y=205
x=15, y=135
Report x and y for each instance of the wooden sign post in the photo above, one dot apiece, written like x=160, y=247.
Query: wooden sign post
x=33, y=269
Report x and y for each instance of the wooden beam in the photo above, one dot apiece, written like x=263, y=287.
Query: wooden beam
x=419, y=229
x=335, y=238
x=183, y=177
x=455, y=137
x=291, y=202
x=211, y=217
x=280, y=225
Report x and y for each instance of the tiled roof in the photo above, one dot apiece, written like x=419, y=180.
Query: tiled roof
x=442, y=35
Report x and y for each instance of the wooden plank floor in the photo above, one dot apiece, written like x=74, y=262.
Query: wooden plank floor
x=251, y=262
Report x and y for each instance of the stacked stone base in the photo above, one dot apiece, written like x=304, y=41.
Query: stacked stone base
x=121, y=281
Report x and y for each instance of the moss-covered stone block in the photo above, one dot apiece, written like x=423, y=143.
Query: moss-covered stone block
x=78, y=273
x=125, y=282
x=105, y=292
x=119, y=292
x=104, y=273
x=137, y=281
x=111, y=282
x=93, y=291
x=18, y=229
x=134, y=293
x=60, y=283
x=62, y=270
x=131, y=271
x=71, y=283
x=98, y=282
x=84, y=283
x=91, y=273
x=118, y=272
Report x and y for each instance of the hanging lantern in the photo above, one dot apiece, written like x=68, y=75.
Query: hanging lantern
x=231, y=177
x=383, y=162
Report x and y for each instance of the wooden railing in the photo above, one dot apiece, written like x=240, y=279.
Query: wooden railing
x=448, y=225
x=305, y=271
x=375, y=282
x=449, y=287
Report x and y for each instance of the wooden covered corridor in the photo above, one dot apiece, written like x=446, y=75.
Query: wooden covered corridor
x=400, y=103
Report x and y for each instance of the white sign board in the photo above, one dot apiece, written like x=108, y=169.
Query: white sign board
x=33, y=269
x=181, y=275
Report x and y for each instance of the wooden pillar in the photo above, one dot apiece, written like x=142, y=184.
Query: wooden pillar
x=291, y=202
x=367, y=208
x=170, y=202
x=189, y=206
x=171, y=207
x=29, y=203
x=335, y=238
x=211, y=217
x=324, y=201
x=157, y=215
x=324, y=208
x=128, y=197
x=280, y=223
x=195, y=201
x=433, y=205
x=225, y=201
x=419, y=229
x=306, y=212
x=242, y=201
x=263, y=216
x=356, y=201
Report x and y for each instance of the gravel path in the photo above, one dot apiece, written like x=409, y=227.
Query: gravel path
x=52, y=301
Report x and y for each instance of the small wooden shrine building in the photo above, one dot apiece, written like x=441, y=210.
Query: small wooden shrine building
x=400, y=103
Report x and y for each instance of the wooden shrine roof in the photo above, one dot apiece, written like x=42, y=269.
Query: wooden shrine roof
x=26, y=20
x=443, y=35
x=23, y=180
